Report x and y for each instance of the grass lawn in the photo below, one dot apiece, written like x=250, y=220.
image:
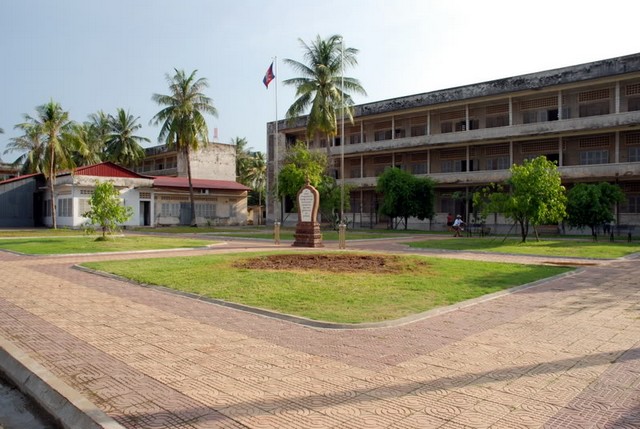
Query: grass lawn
x=570, y=248
x=266, y=232
x=88, y=244
x=419, y=285
x=40, y=232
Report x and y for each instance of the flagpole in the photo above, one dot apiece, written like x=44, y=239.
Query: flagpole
x=275, y=143
x=277, y=205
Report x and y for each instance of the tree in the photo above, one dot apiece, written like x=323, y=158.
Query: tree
x=256, y=176
x=31, y=143
x=243, y=159
x=405, y=195
x=107, y=210
x=300, y=165
x=122, y=146
x=536, y=195
x=182, y=118
x=320, y=85
x=46, y=149
x=591, y=205
x=87, y=148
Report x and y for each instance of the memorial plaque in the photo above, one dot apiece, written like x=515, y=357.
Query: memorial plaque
x=306, y=202
x=308, y=229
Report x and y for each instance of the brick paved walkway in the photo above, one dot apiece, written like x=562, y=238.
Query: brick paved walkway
x=565, y=354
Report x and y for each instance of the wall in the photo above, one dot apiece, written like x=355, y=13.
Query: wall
x=16, y=203
x=215, y=161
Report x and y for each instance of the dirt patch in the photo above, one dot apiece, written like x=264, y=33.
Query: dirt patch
x=325, y=262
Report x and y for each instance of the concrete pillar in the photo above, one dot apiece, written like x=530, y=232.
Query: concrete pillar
x=510, y=111
x=560, y=160
x=616, y=156
x=617, y=98
x=429, y=123
x=560, y=106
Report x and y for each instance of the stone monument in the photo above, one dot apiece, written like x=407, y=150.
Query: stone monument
x=308, y=229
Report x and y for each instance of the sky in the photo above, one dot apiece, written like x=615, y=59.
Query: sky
x=92, y=55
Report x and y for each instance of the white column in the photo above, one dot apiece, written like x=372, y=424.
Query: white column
x=560, y=160
x=429, y=123
x=617, y=99
x=560, y=106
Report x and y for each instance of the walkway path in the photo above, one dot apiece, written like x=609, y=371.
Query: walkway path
x=565, y=354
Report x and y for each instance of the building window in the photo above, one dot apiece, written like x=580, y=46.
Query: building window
x=594, y=109
x=454, y=166
x=633, y=154
x=633, y=104
x=233, y=211
x=206, y=210
x=418, y=130
x=354, y=139
x=497, y=121
x=594, y=157
x=419, y=168
x=446, y=127
x=633, y=204
x=382, y=135
x=500, y=163
x=65, y=207
x=83, y=206
x=535, y=116
x=170, y=209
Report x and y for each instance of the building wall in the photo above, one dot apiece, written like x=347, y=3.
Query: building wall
x=586, y=118
x=73, y=194
x=16, y=203
x=215, y=161
x=211, y=209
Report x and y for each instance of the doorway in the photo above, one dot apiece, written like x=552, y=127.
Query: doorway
x=145, y=213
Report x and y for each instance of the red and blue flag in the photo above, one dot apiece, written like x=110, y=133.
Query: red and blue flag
x=269, y=76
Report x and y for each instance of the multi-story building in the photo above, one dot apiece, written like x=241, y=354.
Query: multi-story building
x=584, y=117
x=215, y=161
x=7, y=171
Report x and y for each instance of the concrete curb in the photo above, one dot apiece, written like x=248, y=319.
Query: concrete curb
x=66, y=405
x=335, y=325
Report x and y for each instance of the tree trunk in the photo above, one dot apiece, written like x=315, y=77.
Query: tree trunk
x=52, y=178
x=260, y=207
x=523, y=231
x=191, y=196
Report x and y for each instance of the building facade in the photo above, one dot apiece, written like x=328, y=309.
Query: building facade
x=25, y=201
x=215, y=161
x=584, y=117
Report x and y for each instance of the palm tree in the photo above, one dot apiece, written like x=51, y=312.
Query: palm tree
x=257, y=177
x=320, y=86
x=31, y=143
x=53, y=121
x=243, y=159
x=86, y=145
x=122, y=146
x=182, y=118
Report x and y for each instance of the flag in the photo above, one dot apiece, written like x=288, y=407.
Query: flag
x=268, y=76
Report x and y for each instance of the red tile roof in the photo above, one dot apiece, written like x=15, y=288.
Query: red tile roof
x=183, y=182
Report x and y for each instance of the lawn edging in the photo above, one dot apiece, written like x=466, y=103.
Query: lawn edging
x=334, y=325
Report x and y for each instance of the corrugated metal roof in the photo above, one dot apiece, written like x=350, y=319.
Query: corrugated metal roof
x=183, y=182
